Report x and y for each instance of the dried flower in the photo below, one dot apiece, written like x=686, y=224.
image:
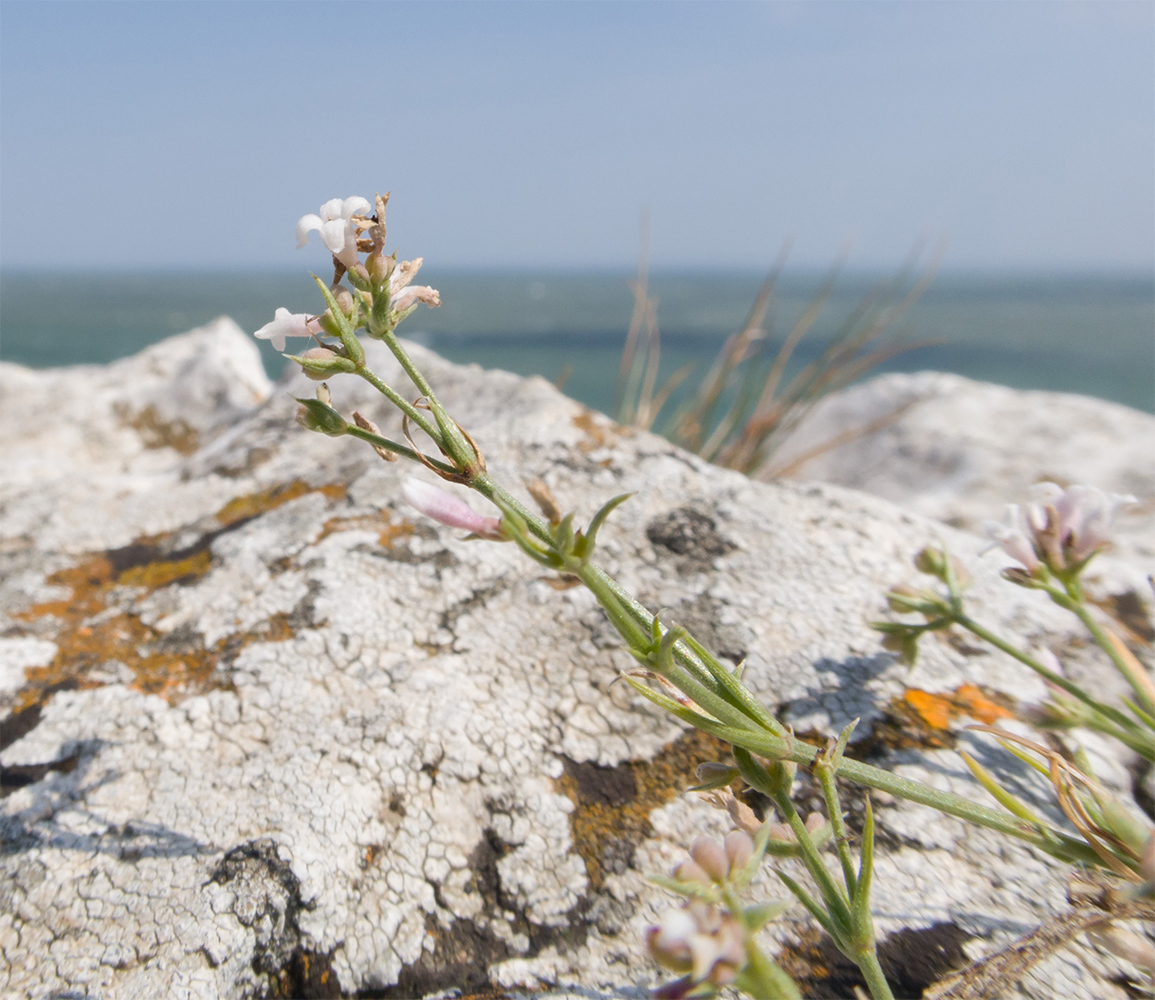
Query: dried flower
x=447, y=509
x=335, y=223
x=287, y=324
x=417, y=293
x=402, y=295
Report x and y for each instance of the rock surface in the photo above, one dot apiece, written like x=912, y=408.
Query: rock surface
x=268, y=732
x=959, y=450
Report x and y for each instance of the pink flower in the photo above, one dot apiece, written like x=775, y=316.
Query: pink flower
x=1061, y=529
x=700, y=940
x=1013, y=539
x=287, y=324
x=447, y=509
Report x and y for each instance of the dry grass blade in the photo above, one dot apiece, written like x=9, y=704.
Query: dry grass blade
x=744, y=406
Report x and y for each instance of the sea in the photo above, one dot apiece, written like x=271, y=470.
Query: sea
x=1083, y=333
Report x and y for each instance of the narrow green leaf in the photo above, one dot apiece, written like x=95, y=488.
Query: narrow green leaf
x=806, y=900
x=862, y=926
x=1008, y=801
x=589, y=539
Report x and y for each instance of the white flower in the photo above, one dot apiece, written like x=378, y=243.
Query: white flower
x=287, y=324
x=335, y=224
x=447, y=509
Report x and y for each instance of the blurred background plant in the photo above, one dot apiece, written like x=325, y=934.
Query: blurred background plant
x=749, y=400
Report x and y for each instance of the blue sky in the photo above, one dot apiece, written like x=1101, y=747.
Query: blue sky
x=178, y=134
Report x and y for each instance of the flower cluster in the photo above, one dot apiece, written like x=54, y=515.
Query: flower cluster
x=1060, y=531
x=701, y=941
x=348, y=227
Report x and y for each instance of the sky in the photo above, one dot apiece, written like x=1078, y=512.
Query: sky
x=534, y=135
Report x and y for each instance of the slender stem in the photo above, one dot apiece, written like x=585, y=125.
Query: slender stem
x=1142, y=690
x=1072, y=689
x=1051, y=841
x=401, y=403
x=837, y=905
x=403, y=450
x=871, y=971
x=402, y=355
x=834, y=809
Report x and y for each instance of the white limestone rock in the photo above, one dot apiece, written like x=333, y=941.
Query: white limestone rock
x=277, y=729
x=960, y=450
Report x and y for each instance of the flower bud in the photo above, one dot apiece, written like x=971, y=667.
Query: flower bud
x=711, y=856
x=447, y=509
x=380, y=268
x=359, y=277
x=314, y=415
x=739, y=849
x=691, y=871
x=318, y=363
x=344, y=299
x=931, y=561
x=712, y=774
x=669, y=941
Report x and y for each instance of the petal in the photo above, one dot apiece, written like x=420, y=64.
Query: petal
x=333, y=235
x=447, y=509
x=332, y=209
x=286, y=324
x=351, y=206
x=305, y=225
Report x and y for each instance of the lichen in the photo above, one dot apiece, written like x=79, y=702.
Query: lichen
x=156, y=432
x=612, y=806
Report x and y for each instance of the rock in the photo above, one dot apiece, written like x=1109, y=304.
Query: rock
x=959, y=451
x=279, y=735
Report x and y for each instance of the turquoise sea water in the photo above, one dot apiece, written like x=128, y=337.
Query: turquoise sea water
x=1085, y=334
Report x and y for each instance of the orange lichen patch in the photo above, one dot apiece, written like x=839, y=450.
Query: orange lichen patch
x=156, y=432
x=613, y=805
x=938, y=711
x=387, y=531
x=252, y=504
x=599, y=432
x=87, y=580
x=920, y=719
x=159, y=574
x=935, y=710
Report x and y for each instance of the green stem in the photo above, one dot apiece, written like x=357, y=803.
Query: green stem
x=871, y=971
x=825, y=775
x=1053, y=842
x=401, y=403
x=1072, y=689
x=837, y=905
x=403, y=450
x=1079, y=608
x=415, y=376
